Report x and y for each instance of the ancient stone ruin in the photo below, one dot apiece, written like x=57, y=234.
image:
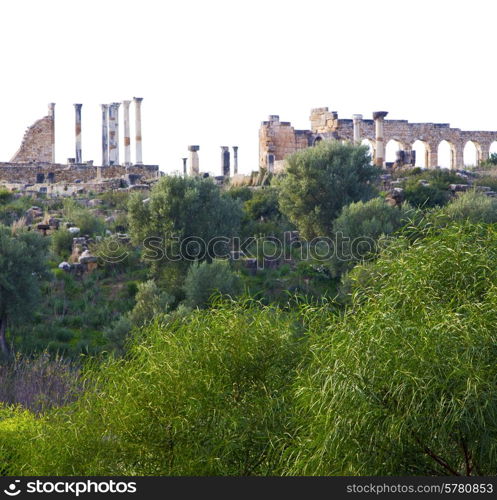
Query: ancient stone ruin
x=279, y=139
x=33, y=167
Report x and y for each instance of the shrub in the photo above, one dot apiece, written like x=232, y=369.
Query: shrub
x=204, y=279
x=61, y=243
x=359, y=227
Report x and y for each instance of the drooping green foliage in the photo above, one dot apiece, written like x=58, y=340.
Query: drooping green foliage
x=206, y=394
x=320, y=181
x=404, y=383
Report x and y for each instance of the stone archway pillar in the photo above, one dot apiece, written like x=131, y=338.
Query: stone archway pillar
x=432, y=155
x=379, y=119
x=485, y=151
x=459, y=163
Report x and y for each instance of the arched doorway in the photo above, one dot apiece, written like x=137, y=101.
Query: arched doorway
x=421, y=150
x=471, y=154
x=317, y=140
x=391, y=150
x=446, y=154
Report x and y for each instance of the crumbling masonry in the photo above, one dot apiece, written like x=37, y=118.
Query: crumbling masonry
x=33, y=166
x=278, y=139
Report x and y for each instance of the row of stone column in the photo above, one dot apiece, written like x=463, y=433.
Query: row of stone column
x=110, y=133
x=225, y=161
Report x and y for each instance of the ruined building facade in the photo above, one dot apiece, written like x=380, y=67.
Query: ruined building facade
x=279, y=139
x=33, y=166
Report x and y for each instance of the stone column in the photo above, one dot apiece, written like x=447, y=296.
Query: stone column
x=379, y=118
x=184, y=167
x=235, y=160
x=77, y=129
x=225, y=161
x=127, y=140
x=112, y=134
x=194, y=164
x=105, y=134
x=116, y=106
x=138, y=129
x=357, y=119
x=51, y=114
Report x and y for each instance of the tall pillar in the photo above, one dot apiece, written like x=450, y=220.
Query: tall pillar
x=105, y=134
x=77, y=129
x=127, y=140
x=235, y=160
x=379, y=119
x=51, y=114
x=116, y=107
x=225, y=161
x=112, y=135
x=194, y=164
x=184, y=166
x=357, y=119
x=138, y=129
x=432, y=155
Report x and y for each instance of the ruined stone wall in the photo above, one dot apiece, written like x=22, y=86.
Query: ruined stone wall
x=280, y=139
x=27, y=174
x=38, y=143
x=277, y=137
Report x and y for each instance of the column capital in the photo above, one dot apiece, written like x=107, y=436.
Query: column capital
x=235, y=148
x=115, y=105
x=379, y=114
x=105, y=107
x=193, y=148
x=126, y=104
x=225, y=148
x=138, y=100
x=77, y=106
x=357, y=117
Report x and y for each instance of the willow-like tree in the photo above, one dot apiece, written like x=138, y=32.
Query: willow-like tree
x=22, y=265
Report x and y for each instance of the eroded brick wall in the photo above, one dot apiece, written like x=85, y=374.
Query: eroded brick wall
x=38, y=142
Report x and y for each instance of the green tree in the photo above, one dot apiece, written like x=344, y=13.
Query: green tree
x=22, y=265
x=179, y=221
x=206, y=278
x=404, y=382
x=319, y=181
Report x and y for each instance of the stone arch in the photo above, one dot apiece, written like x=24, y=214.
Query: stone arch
x=421, y=149
x=391, y=148
x=472, y=153
x=317, y=140
x=446, y=154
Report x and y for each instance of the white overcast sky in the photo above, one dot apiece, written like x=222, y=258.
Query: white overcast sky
x=211, y=71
